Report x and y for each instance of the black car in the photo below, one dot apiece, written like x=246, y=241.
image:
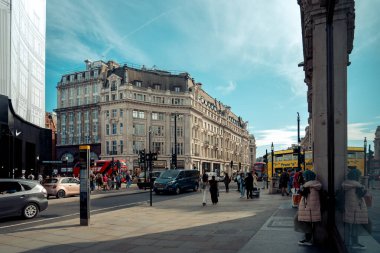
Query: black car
x=21, y=197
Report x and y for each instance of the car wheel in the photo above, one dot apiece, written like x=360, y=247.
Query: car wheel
x=196, y=187
x=61, y=194
x=30, y=211
x=177, y=190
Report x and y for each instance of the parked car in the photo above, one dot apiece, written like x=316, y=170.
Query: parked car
x=62, y=186
x=176, y=181
x=22, y=197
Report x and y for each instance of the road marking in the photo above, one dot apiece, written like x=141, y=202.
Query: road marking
x=68, y=215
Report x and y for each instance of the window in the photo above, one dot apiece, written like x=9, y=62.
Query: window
x=158, y=130
x=158, y=147
x=113, y=97
x=87, y=127
x=121, y=113
x=71, y=117
x=114, y=113
x=79, y=89
x=94, y=89
x=95, y=73
x=121, y=128
x=121, y=146
x=157, y=116
x=120, y=95
x=86, y=90
x=94, y=115
x=177, y=89
x=95, y=127
x=114, y=150
x=138, y=83
x=87, y=75
x=177, y=101
x=139, y=97
x=179, y=148
x=157, y=87
x=114, y=128
x=113, y=85
x=139, y=129
x=158, y=100
x=137, y=146
x=138, y=114
x=107, y=147
x=86, y=116
x=107, y=129
x=107, y=114
x=107, y=98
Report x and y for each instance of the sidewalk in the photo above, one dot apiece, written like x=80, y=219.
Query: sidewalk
x=176, y=225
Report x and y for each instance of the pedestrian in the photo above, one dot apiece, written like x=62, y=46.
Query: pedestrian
x=255, y=178
x=242, y=184
x=204, y=184
x=309, y=209
x=105, y=182
x=264, y=180
x=355, y=209
x=31, y=176
x=249, y=185
x=40, y=178
x=118, y=181
x=99, y=181
x=214, y=191
x=284, y=178
x=128, y=180
x=92, y=181
x=226, y=180
x=297, y=180
x=238, y=180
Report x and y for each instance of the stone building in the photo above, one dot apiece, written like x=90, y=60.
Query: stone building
x=120, y=110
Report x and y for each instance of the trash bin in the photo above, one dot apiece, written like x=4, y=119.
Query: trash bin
x=274, y=185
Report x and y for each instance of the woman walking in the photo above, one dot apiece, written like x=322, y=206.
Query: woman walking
x=226, y=181
x=214, y=190
x=204, y=188
x=309, y=208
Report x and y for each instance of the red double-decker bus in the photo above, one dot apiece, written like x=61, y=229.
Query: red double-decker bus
x=105, y=167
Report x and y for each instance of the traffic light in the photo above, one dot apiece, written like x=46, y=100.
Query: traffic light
x=265, y=158
x=153, y=156
x=142, y=156
x=174, y=159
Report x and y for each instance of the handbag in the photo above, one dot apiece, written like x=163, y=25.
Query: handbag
x=368, y=199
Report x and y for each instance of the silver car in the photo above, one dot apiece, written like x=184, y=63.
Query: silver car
x=21, y=197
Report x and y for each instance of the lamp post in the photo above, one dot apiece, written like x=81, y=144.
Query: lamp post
x=298, y=142
x=37, y=161
x=272, y=154
x=365, y=156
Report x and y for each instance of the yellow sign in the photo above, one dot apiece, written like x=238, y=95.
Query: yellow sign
x=84, y=147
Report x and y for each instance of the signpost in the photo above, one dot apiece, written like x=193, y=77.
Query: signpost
x=84, y=162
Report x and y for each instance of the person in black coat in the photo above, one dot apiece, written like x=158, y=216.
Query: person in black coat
x=213, y=190
x=249, y=185
x=284, y=179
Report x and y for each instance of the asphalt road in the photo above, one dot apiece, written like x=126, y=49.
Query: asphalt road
x=63, y=209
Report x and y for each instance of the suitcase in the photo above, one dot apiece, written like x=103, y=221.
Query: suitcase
x=296, y=198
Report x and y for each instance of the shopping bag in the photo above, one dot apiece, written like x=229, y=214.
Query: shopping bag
x=296, y=198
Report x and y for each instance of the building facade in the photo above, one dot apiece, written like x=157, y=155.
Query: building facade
x=22, y=57
x=120, y=110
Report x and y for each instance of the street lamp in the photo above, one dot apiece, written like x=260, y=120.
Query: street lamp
x=365, y=156
x=272, y=149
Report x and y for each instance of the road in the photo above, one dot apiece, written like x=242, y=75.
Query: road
x=68, y=208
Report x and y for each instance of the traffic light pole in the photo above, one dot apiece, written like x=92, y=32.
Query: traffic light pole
x=150, y=169
x=175, y=140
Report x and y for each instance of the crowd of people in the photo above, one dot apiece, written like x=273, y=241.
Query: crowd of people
x=247, y=184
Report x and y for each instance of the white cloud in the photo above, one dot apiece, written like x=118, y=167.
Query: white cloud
x=357, y=131
x=281, y=138
x=231, y=86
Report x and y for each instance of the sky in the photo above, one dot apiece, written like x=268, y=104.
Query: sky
x=244, y=52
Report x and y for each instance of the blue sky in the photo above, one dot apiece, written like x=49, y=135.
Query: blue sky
x=244, y=52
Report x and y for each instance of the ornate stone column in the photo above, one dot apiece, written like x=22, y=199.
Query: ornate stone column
x=313, y=18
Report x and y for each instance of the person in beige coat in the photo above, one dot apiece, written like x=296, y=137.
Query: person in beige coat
x=309, y=208
x=355, y=210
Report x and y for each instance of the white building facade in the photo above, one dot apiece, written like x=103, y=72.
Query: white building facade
x=120, y=110
x=22, y=57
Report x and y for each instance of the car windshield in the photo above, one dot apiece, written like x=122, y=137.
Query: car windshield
x=50, y=181
x=169, y=174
